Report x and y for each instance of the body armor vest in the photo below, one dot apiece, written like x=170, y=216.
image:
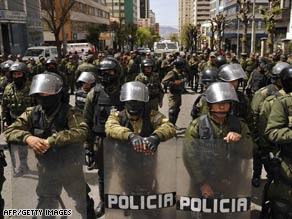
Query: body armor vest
x=147, y=127
x=206, y=130
x=65, y=154
x=258, y=81
x=80, y=99
x=103, y=103
x=239, y=109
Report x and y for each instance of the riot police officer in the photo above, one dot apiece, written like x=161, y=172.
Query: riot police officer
x=220, y=60
x=151, y=80
x=175, y=80
x=99, y=102
x=209, y=76
x=213, y=125
x=278, y=198
x=127, y=125
x=85, y=82
x=15, y=101
x=87, y=66
x=55, y=132
x=256, y=105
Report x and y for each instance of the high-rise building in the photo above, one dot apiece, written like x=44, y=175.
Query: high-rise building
x=123, y=11
x=201, y=11
x=185, y=14
x=143, y=9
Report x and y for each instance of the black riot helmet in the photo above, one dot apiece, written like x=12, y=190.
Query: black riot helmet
x=209, y=76
x=147, y=63
x=179, y=63
x=220, y=60
x=286, y=78
x=5, y=66
x=135, y=94
x=19, y=66
x=109, y=72
x=50, y=63
x=277, y=69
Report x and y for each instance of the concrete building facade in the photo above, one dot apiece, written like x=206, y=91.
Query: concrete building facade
x=20, y=25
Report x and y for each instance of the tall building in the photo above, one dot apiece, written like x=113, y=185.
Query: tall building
x=83, y=14
x=123, y=11
x=143, y=9
x=20, y=25
x=233, y=28
x=185, y=14
x=201, y=11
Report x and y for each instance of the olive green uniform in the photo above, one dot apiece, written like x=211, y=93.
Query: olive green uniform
x=279, y=131
x=155, y=89
x=175, y=91
x=88, y=67
x=220, y=131
x=15, y=101
x=67, y=143
x=70, y=70
x=133, y=70
x=162, y=127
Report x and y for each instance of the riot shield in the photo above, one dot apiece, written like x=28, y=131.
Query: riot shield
x=139, y=186
x=213, y=179
x=52, y=186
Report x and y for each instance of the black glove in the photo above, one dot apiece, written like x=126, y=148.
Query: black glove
x=152, y=142
x=136, y=140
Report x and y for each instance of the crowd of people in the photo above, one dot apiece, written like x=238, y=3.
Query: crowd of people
x=119, y=96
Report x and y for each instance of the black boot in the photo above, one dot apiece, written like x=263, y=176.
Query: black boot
x=99, y=211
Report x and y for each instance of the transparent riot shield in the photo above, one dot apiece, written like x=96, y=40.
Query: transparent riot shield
x=213, y=179
x=138, y=186
x=50, y=185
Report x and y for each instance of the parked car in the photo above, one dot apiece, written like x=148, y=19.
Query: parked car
x=37, y=51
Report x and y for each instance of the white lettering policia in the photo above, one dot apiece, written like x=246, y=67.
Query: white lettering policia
x=135, y=202
x=225, y=205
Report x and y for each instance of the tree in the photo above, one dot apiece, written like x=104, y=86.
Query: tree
x=245, y=16
x=173, y=37
x=143, y=36
x=94, y=33
x=56, y=17
x=212, y=38
x=190, y=37
x=219, y=24
x=269, y=15
x=131, y=30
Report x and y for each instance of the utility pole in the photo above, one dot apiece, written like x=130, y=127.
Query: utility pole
x=64, y=35
x=253, y=33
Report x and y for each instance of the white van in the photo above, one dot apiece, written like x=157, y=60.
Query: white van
x=36, y=51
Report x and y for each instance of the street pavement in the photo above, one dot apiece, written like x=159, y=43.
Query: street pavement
x=26, y=191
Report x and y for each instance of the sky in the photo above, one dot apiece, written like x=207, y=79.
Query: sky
x=166, y=12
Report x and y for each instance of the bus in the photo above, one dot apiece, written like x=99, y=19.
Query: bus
x=165, y=46
x=72, y=47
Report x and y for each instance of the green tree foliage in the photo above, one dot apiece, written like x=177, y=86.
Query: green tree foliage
x=190, y=37
x=143, y=36
x=245, y=16
x=269, y=15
